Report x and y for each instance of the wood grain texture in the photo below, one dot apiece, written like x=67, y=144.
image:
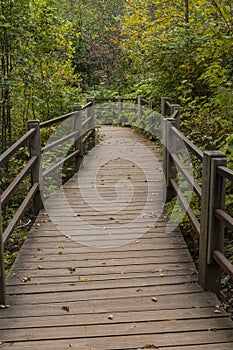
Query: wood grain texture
x=66, y=291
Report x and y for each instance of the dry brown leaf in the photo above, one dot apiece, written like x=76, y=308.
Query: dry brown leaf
x=25, y=279
x=66, y=308
x=154, y=300
x=71, y=269
x=110, y=317
x=139, y=290
x=40, y=267
x=3, y=306
x=150, y=346
x=84, y=279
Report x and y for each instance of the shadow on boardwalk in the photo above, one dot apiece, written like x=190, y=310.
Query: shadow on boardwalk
x=109, y=271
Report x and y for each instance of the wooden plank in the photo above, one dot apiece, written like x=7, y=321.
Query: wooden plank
x=128, y=342
x=148, y=285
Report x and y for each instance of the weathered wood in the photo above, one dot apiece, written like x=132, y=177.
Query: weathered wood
x=36, y=172
x=2, y=265
x=64, y=295
x=212, y=231
x=78, y=141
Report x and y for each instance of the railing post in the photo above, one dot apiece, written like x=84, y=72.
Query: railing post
x=120, y=107
x=140, y=112
x=211, y=230
x=36, y=173
x=164, y=107
x=91, y=124
x=169, y=146
x=2, y=265
x=78, y=145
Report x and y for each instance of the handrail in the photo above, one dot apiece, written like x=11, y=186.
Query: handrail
x=225, y=172
x=56, y=120
x=213, y=217
x=19, y=214
x=190, y=145
x=211, y=193
x=17, y=181
x=15, y=147
x=33, y=167
x=187, y=175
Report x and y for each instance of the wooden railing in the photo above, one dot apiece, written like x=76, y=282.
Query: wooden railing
x=213, y=217
x=211, y=194
x=84, y=130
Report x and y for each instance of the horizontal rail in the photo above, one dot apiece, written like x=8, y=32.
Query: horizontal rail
x=168, y=104
x=4, y=157
x=60, y=141
x=59, y=164
x=225, y=218
x=225, y=172
x=87, y=121
x=87, y=105
x=145, y=101
x=86, y=137
x=194, y=149
x=18, y=179
x=186, y=206
x=223, y=262
x=56, y=120
x=21, y=210
x=187, y=175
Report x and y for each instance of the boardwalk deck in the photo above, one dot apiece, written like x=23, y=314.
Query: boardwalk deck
x=110, y=271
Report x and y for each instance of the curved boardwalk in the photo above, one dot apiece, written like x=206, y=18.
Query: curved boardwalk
x=104, y=269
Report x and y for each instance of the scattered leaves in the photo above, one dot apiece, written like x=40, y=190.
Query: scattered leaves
x=139, y=290
x=84, y=279
x=25, y=279
x=150, y=346
x=66, y=308
x=154, y=300
x=2, y=306
x=71, y=269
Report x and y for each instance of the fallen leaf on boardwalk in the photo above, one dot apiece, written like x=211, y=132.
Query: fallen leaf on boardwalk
x=195, y=307
x=139, y=290
x=41, y=258
x=1, y=342
x=72, y=284
x=154, y=300
x=26, y=279
x=150, y=346
x=60, y=247
x=111, y=218
x=71, y=269
x=217, y=311
x=161, y=275
x=110, y=317
x=68, y=237
x=45, y=214
x=84, y=279
x=34, y=256
x=212, y=329
x=65, y=308
x=103, y=263
x=4, y=306
x=39, y=250
x=137, y=241
x=40, y=267
x=38, y=225
x=60, y=253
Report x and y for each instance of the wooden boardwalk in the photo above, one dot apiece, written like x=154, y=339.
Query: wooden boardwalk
x=103, y=268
